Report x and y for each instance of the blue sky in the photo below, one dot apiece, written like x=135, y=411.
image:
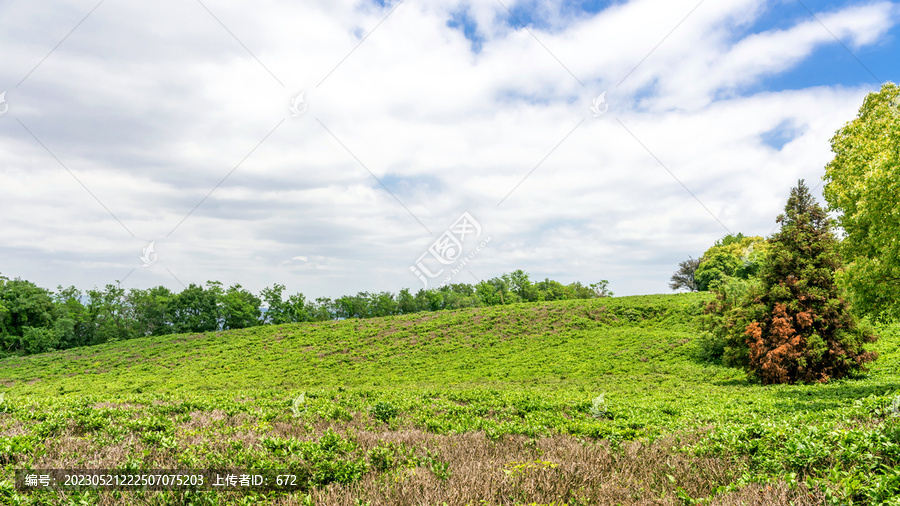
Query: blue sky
x=180, y=125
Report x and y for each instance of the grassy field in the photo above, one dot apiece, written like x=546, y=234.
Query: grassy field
x=497, y=405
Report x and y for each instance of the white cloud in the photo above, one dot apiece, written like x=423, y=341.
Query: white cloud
x=152, y=106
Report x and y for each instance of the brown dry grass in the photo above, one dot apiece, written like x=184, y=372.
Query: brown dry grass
x=557, y=470
x=511, y=471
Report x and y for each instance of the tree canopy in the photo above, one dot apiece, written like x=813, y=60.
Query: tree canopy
x=734, y=255
x=863, y=184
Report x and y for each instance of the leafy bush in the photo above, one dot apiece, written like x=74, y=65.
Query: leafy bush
x=853, y=465
x=732, y=256
x=383, y=457
x=89, y=420
x=339, y=413
x=715, y=267
x=384, y=411
x=13, y=447
x=726, y=319
x=331, y=459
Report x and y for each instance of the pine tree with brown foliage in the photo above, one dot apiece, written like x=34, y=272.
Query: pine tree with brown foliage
x=807, y=332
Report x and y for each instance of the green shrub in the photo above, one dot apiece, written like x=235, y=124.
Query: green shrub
x=384, y=411
x=89, y=420
x=383, y=457
x=15, y=448
x=339, y=413
x=725, y=320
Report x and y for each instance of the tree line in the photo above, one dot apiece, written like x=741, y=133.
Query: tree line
x=36, y=320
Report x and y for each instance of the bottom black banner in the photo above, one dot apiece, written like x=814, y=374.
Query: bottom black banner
x=160, y=479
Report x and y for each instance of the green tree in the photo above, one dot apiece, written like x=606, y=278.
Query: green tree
x=278, y=310
x=353, y=306
x=488, y=294
x=576, y=290
x=601, y=289
x=111, y=315
x=429, y=300
x=70, y=307
x=382, y=304
x=715, y=267
x=807, y=332
x=406, y=302
x=39, y=339
x=239, y=308
x=195, y=309
x=151, y=310
x=550, y=290
x=324, y=310
x=733, y=255
x=298, y=309
x=27, y=313
x=496, y=291
x=520, y=284
x=458, y=295
x=863, y=185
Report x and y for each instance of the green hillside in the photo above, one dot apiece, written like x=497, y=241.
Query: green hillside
x=389, y=401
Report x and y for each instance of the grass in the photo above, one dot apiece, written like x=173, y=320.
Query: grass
x=496, y=405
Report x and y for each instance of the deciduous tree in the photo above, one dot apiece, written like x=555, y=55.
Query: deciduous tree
x=863, y=184
x=683, y=278
x=733, y=255
x=195, y=309
x=277, y=309
x=239, y=308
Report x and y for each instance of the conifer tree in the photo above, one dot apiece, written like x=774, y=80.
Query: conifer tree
x=807, y=332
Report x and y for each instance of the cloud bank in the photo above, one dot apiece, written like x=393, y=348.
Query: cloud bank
x=172, y=122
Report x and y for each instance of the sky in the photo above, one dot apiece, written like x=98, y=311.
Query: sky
x=344, y=146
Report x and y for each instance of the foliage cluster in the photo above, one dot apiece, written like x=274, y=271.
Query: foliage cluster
x=863, y=185
x=734, y=256
x=726, y=319
x=807, y=332
x=789, y=323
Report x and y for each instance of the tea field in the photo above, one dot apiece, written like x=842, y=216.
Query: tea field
x=600, y=401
